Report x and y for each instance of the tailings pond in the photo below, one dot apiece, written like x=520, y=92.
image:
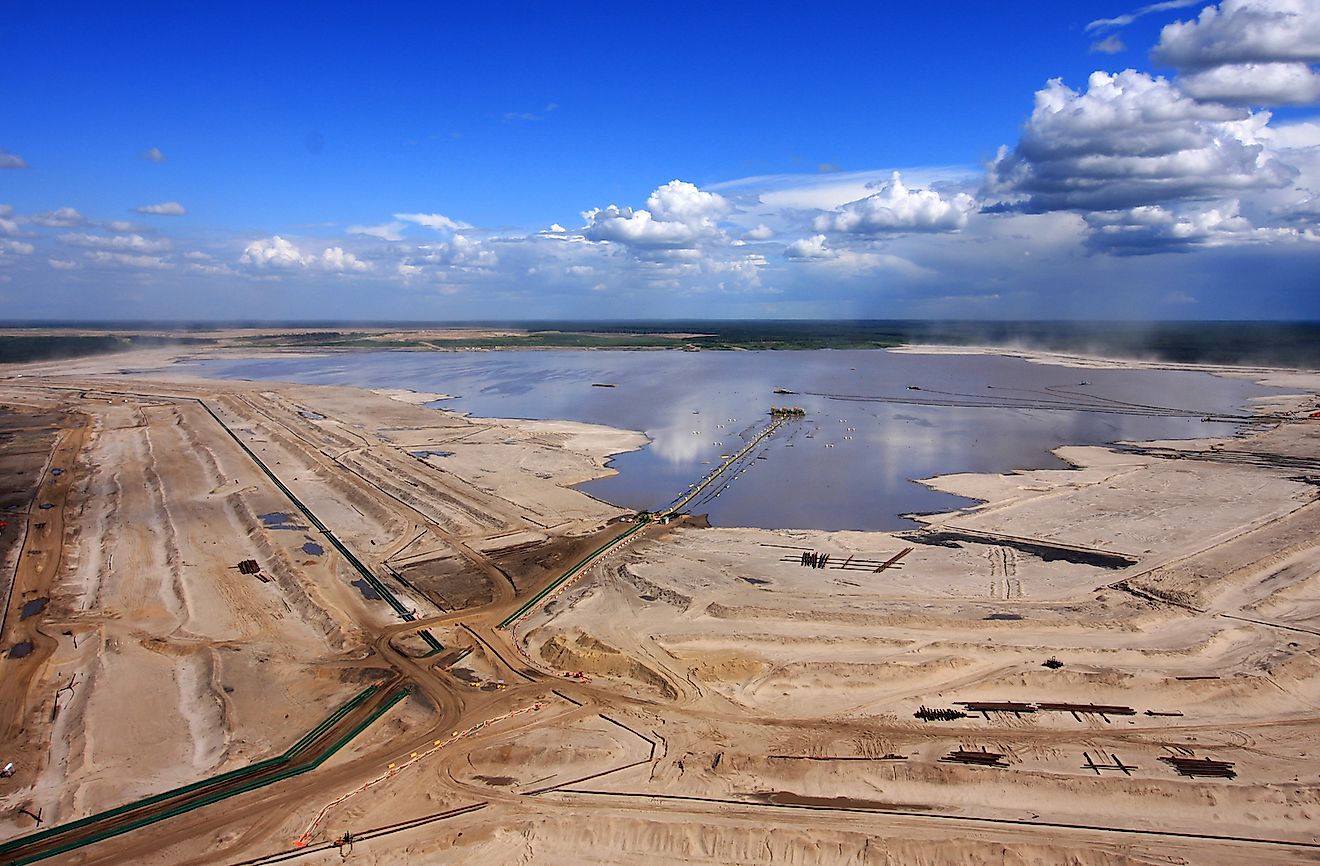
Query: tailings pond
x=875, y=420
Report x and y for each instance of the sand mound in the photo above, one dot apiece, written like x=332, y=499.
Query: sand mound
x=594, y=657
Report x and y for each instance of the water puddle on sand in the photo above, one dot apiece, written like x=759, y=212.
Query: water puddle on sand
x=33, y=607
x=21, y=650
x=367, y=590
x=313, y=548
x=280, y=520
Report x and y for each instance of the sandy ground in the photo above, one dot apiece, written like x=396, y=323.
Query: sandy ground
x=699, y=696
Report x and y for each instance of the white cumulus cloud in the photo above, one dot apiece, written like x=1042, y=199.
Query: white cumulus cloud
x=1130, y=140
x=677, y=215
x=165, y=208
x=153, y=154
x=1156, y=229
x=459, y=251
x=1243, y=31
x=62, y=218
x=336, y=260
x=273, y=252
x=679, y=201
x=11, y=160
x=277, y=253
x=635, y=228
x=812, y=249
x=1254, y=83
x=896, y=208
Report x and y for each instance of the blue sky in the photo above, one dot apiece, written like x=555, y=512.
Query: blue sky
x=436, y=161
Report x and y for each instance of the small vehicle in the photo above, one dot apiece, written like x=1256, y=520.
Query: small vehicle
x=8, y=770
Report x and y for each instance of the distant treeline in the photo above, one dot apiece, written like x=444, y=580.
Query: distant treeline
x=1278, y=344
x=19, y=349
x=1284, y=344
x=1242, y=343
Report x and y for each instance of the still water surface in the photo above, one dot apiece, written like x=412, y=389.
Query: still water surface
x=847, y=465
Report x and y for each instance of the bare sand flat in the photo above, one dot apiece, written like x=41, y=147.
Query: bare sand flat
x=693, y=695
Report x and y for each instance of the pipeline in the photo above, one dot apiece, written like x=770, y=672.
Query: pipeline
x=719, y=470
x=393, y=770
x=559, y=589
x=570, y=577
x=244, y=779
x=376, y=584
